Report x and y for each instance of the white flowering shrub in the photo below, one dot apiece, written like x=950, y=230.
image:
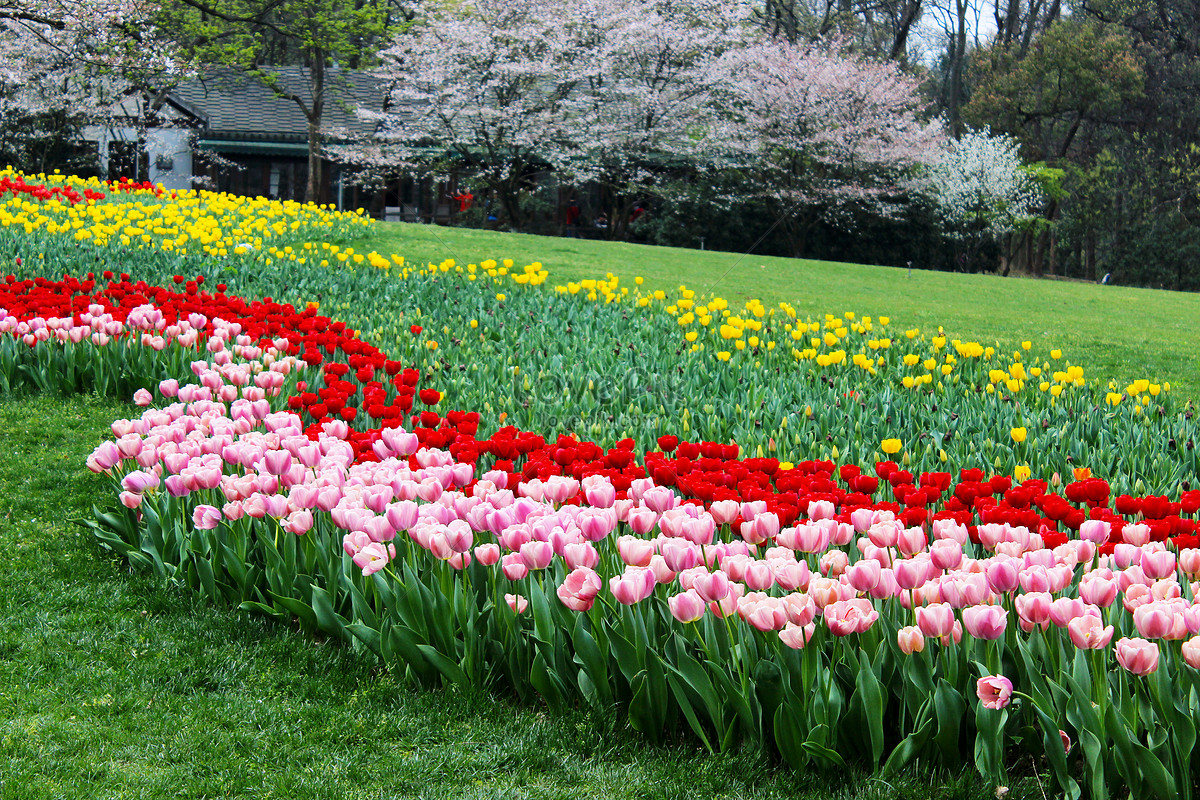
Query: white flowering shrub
x=981, y=187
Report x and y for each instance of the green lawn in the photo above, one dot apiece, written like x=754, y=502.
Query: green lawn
x=1113, y=332
x=113, y=687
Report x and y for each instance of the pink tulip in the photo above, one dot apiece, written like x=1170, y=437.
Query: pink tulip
x=140, y=481
x=487, y=554
x=205, y=517
x=378, y=528
x=580, y=554
x=687, y=606
x=1153, y=620
x=821, y=509
x=911, y=572
x=1002, y=574
x=887, y=586
x=373, y=558
x=601, y=494
x=1189, y=561
x=516, y=602
x=662, y=573
x=791, y=575
x=1191, y=652
x=949, y=529
x=1158, y=564
x=1138, y=656
x=642, y=520
x=459, y=536
x=863, y=575
x=768, y=614
x=233, y=510
x=1166, y=589
x=766, y=526
x=634, y=586
x=825, y=591
x=536, y=555
x=659, y=498
x=850, y=616
x=596, y=524
x=728, y=605
x=1034, y=608
x=712, y=586
x=994, y=691
x=725, y=511
x=1137, y=594
x=1095, y=531
x=911, y=541
x=985, y=622
x=701, y=530
x=680, y=554
x=936, y=620
x=579, y=589
x=884, y=534
x=635, y=552
x=800, y=608
x=910, y=639
x=105, y=456
x=1065, y=609
x=833, y=563
x=797, y=636
x=514, y=567
x=298, y=522
x=1138, y=534
x=861, y=519
x=1098, y=590
x=946, y=554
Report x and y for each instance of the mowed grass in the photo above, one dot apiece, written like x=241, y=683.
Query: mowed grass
x=1115, y=333
x=114, y=687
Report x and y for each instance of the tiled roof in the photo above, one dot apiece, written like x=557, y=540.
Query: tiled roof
x=234, y=105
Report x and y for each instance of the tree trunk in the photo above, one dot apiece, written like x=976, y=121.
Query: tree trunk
x=956, y=68
x=1089, y=255
x=313, y=188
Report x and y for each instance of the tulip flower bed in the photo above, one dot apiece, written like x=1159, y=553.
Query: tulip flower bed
x=917, y=583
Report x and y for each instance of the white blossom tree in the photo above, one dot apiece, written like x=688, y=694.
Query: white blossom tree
x=624, y=92
x=833, y=134
x=486, y=88
x=611, y=91
x=660, y=98
x=983, y=190
x=64, y=62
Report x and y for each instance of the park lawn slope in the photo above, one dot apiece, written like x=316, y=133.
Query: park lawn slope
x=1114, y=332
x=112, y=686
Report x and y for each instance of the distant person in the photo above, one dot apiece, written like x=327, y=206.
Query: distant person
x=638, y=210
x=465, y=199
x=602, y=221
x=573, y=213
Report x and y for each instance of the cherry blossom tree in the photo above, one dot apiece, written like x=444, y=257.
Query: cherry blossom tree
x=625, y=93
x=487, y=89
x=832, y=134
x=65, y=62
x=612, y=91
x=660, y=98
